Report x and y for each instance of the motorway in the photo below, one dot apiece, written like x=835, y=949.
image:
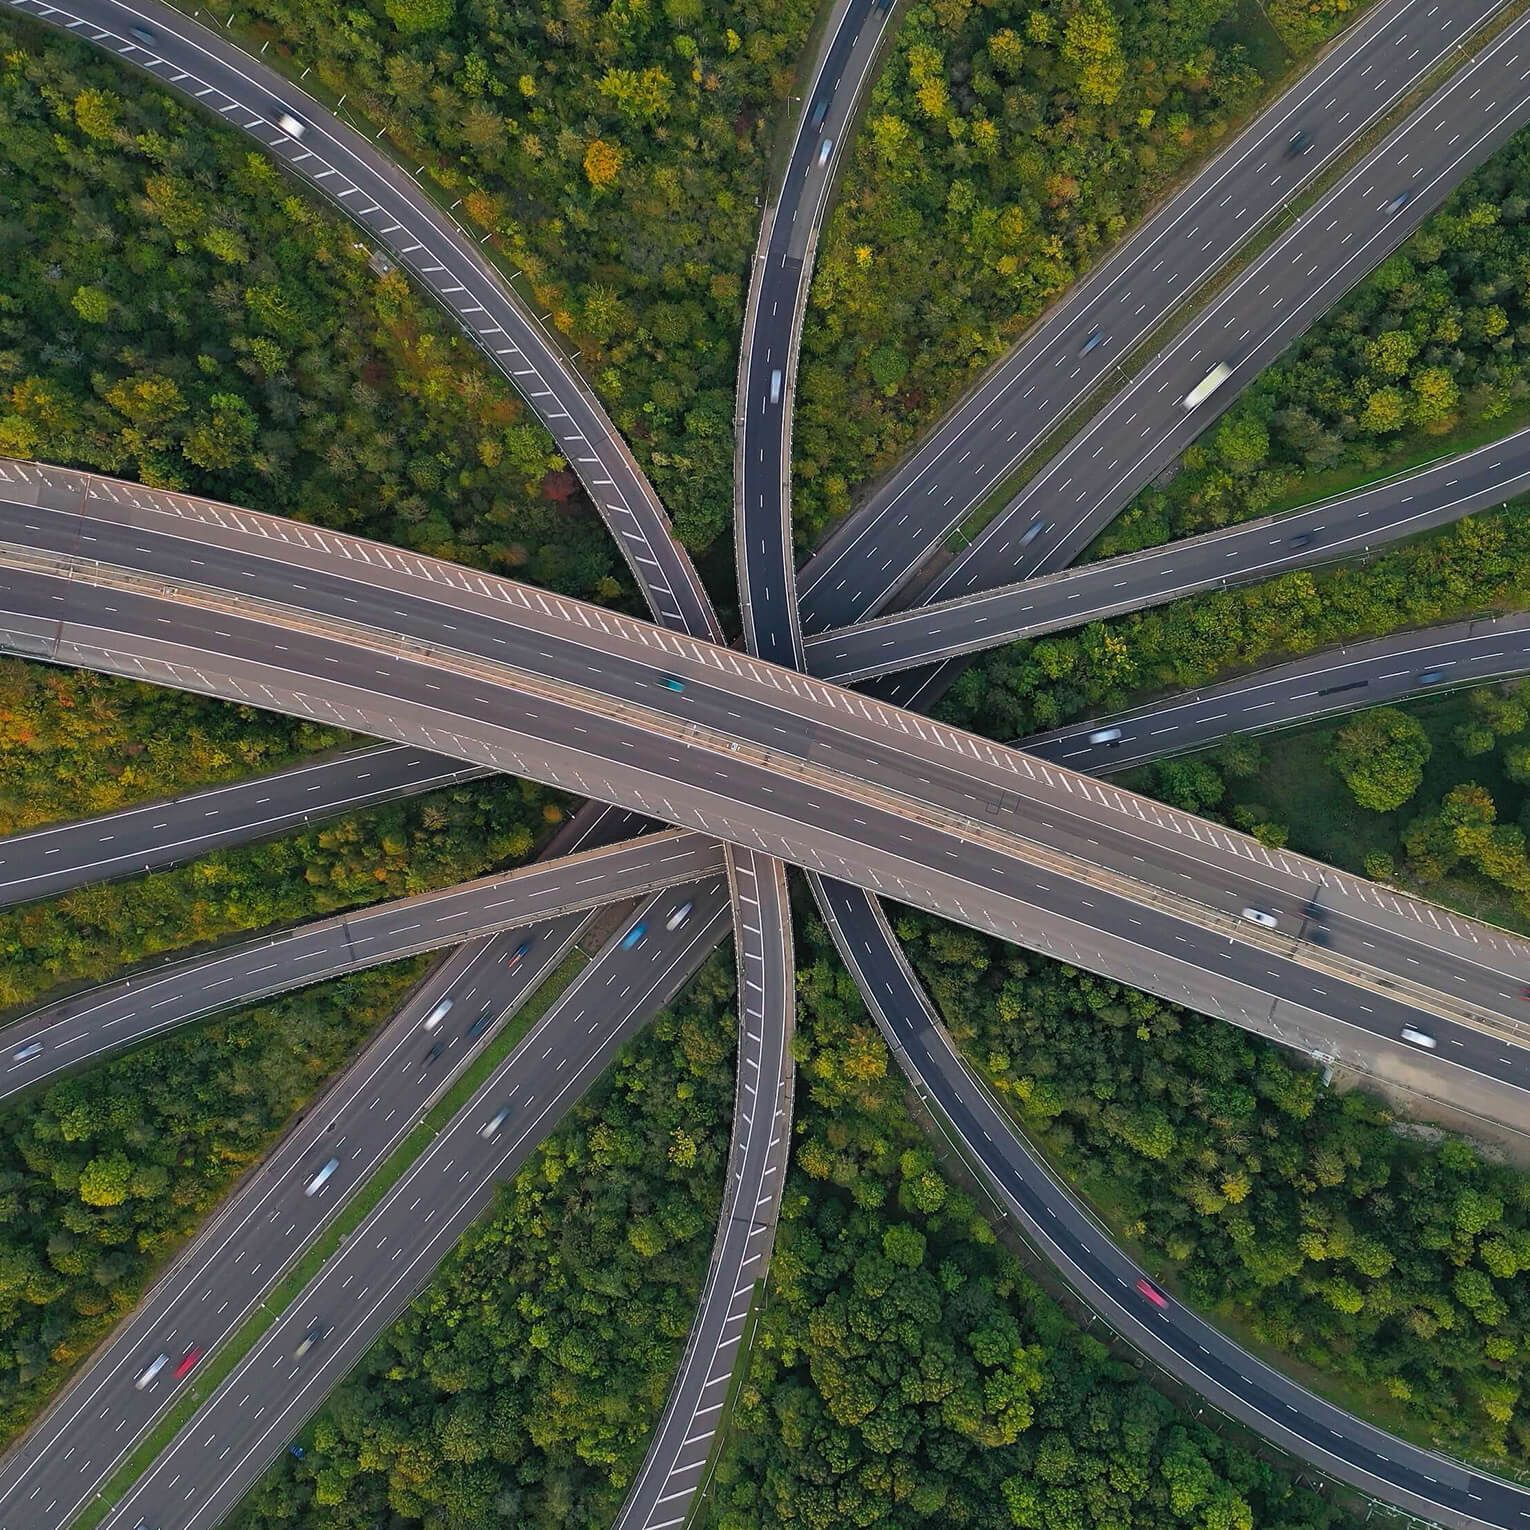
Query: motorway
x=44, y=862
x=123, y=1013
x=1238, y=1383
x=1392, y=49
x=1377, y=672
x=1343, y=526
x=394, y=211
x=1325, y=252
x=674, y=1469
x=793, y=736
x=126, y=1521
x=205, y=1296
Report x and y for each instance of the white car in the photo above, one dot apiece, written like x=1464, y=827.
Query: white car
x=1419, y=1038
x=290, y=125
x=438, y=1014
x=1258, y=916
x=679, y=917
x=825, y=149
x=322, y=1178
x=1105, y=736
x=775, y=386
x=28, y=1052
x=493, y=1124
x=150, y=1371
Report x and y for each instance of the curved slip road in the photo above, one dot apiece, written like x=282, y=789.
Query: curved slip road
x=663, y=1492
x=394, y=211
x=773, y=316
x=44, y=862
x=1390, y=50
x=1343, y=526
x=115, y=1015
x=1441, y=1490
x=360, y=1289
x=1377, y=672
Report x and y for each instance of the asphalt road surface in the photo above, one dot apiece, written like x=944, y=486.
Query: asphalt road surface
x=663, y=1490
x=1392, y=49
x=107, y=1018
x=674, y=1468
x=44, y=862
x=1146, y=425
x=1052, y=1219
x=394, y=211
x=767, y=378
x=1379, y=672
x=611, y=660
x=368, y=1280
x=1013, y=888
x=1344, y=526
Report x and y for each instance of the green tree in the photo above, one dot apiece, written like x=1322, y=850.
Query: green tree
x=1381, y=756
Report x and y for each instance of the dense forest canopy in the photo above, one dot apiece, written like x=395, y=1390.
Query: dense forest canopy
x=617, y=153
x=175, y=310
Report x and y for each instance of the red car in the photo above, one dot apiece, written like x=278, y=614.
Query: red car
x=1153, y=1294
x=188, y=1363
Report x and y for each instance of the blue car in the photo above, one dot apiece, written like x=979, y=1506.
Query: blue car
x=670, y=683
x=633, y=936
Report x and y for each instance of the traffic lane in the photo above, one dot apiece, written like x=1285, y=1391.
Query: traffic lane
x=764, y=470
x=587, y=647
x=781, y=271
x=568, y=742
x=485, y=979
x=42, y=863
x=364, y=183
x=681, y=1446
x=827, y=108
x=112, y=1016
x=1329, y=249
x=1341, y=527
x=211, y=1288
x=265, y=1400
x=978, y=880
x=1105, y=1277
x=1381, y=672
x=1367, y=70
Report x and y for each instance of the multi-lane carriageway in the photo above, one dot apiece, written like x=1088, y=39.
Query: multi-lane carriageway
x=367, y=1280
x=930, y=816
x=1373, y=65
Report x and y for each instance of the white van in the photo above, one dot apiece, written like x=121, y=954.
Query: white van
x=1419, y=1038
x=322, y=1178
x=1208, y=385
x=150, y=1371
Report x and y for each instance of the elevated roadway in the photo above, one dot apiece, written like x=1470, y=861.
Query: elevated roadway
x=107, y=1018
x=995, y=841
